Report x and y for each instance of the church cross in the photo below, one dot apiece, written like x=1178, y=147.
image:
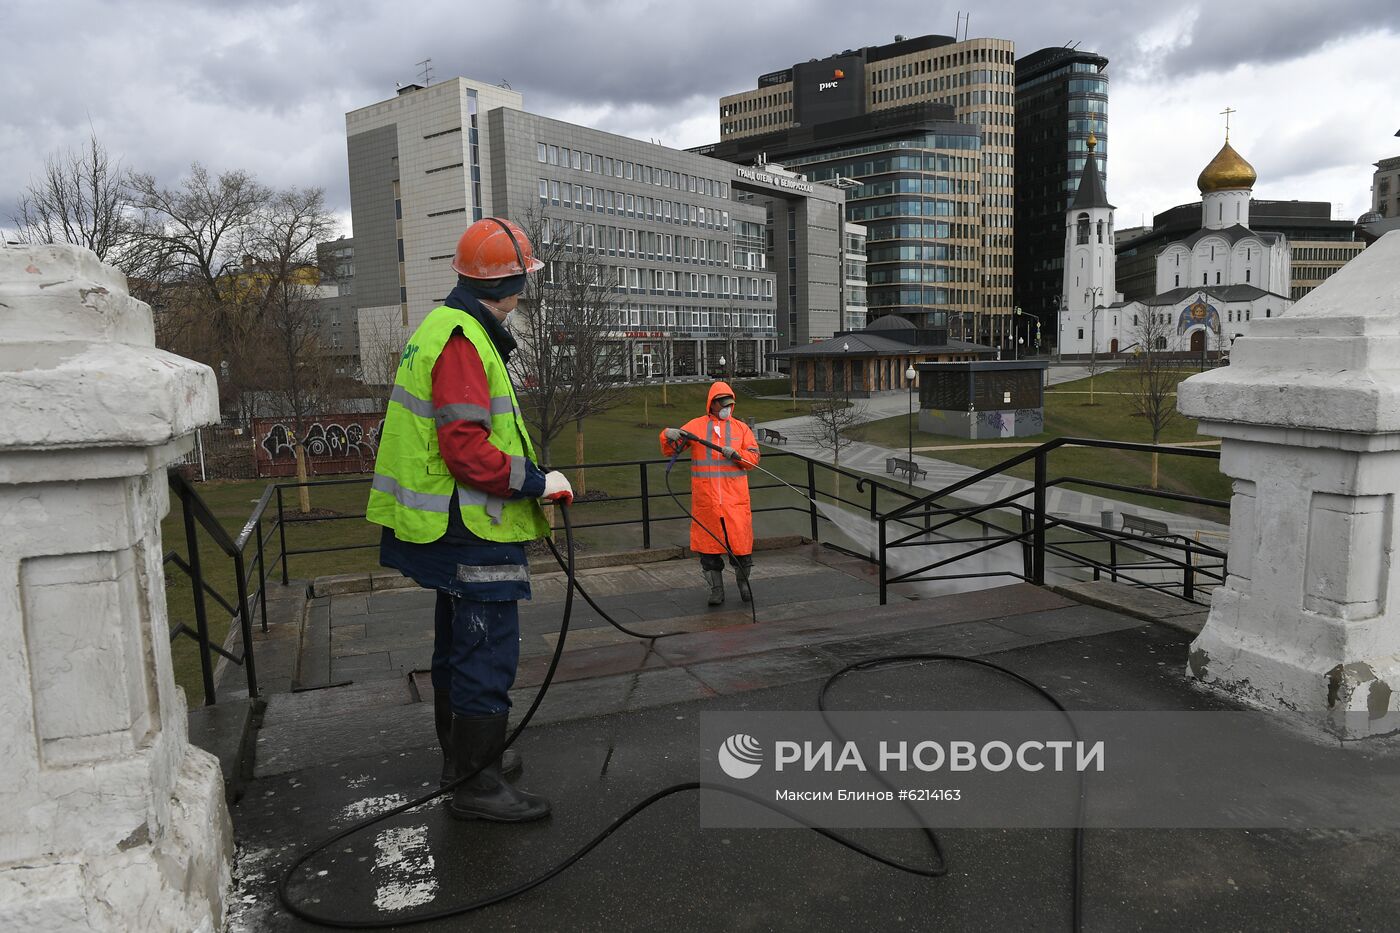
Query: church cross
x=1226, y=114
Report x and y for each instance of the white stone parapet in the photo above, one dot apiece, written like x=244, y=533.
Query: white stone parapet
x=109, y=818
x=1308, y=619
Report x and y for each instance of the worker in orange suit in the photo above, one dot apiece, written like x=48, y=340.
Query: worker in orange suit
x=719, y=487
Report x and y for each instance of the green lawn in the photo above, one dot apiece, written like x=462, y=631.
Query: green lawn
x=1069, y=414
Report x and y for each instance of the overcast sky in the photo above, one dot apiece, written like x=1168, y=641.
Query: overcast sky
x=265, y=86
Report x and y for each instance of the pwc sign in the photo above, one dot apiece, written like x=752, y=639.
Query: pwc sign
x=835, y=81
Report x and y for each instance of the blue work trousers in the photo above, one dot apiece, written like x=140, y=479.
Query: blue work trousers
x=476, y=647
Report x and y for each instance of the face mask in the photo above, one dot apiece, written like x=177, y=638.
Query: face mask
x=725, y=412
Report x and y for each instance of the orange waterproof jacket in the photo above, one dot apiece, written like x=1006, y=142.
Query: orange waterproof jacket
x=719, y=487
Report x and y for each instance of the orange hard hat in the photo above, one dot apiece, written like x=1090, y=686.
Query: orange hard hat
x=493, y=248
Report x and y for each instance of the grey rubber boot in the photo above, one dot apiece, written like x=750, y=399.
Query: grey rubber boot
x=744, y=563
x=488, y=795
x=716, y=580
x=511, y=763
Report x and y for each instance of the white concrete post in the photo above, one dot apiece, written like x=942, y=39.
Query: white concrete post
x=1309, y=413
x=109, y=818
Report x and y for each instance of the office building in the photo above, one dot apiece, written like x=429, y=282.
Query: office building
x=1061, y=100
x=337, y=330
x=854, y=257
x=1385, y=188
x=683, y=237
x=858, y=113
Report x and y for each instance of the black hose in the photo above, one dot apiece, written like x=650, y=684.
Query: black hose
x=938, y=869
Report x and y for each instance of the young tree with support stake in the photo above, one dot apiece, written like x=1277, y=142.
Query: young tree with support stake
x=833, y=414
x=1152, y=391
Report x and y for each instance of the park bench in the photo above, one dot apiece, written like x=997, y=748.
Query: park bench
x=911, y=469
x=769, y=436
x=1147, y=527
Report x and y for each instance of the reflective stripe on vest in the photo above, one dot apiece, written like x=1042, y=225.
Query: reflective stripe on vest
x=412, y=487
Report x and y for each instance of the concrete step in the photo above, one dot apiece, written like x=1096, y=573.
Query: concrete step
x=228, y=730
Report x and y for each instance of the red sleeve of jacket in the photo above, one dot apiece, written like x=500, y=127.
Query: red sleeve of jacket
x=462, y=397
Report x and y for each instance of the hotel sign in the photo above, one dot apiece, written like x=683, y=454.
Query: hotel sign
x=777, y=181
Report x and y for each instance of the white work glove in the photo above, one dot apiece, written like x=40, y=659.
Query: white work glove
x=557, y=488
x=731, y=453
x=673, y=435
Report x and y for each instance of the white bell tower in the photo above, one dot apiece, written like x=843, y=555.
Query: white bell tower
x=1090, y=264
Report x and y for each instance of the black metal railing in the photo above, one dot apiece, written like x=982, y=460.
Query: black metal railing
x=646, y=518
x=197, y=515
x=919, y=520
x=1076, y=543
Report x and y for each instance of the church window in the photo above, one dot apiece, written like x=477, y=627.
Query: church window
x=1100, y=231
x=1268, y=312
x=1205, y=278
x=1231, y=316
x=1247, y=252
x=1246, y=314
x=1178, y=279
x=1246, y=275
x=1081, y=333
x=1220, y=212
x=1217, y=276
x=1135, y=323
x=1082, y=230
x=1212, y=254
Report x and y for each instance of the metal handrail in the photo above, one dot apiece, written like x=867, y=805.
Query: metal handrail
x=1036, y=523
x=197, y=515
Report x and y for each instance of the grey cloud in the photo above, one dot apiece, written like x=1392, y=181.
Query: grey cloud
x=267, y=84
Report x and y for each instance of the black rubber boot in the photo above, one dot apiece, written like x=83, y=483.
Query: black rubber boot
x=744, y=563
x=716, y=580
x=487, y=795
x=511, y=763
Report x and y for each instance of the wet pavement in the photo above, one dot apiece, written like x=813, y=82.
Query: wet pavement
x=623, y=723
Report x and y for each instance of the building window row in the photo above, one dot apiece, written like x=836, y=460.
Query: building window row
x=688, y=318
x=649, y=244
x=606, y=201
x=631, y=171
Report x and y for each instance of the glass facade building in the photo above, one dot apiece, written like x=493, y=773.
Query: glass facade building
x=973, y=81
x=1061, y=99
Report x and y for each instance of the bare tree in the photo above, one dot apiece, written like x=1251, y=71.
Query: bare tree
x=80, y=198
x=286, y=280
x=572, y=359
x=1152, y=391
x=833, y=414
x=195, y=239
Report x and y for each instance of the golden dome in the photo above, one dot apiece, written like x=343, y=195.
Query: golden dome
x=1227, y=170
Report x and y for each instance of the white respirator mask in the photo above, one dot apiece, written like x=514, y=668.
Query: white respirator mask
x=725, y=412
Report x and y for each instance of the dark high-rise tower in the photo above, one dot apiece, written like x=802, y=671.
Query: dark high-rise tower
x=1061, y=99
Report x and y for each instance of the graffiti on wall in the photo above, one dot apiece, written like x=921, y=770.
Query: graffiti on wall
x=333, y=444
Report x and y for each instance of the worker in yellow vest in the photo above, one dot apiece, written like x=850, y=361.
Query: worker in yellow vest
x=457, y=491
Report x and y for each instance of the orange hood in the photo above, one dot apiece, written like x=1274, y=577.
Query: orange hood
x=717, y=389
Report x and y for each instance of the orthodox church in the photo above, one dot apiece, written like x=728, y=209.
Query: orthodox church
x=1210, y=285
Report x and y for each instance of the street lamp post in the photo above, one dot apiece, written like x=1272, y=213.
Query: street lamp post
x=723, y=374
x=1092, y=296
x=909, y=377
